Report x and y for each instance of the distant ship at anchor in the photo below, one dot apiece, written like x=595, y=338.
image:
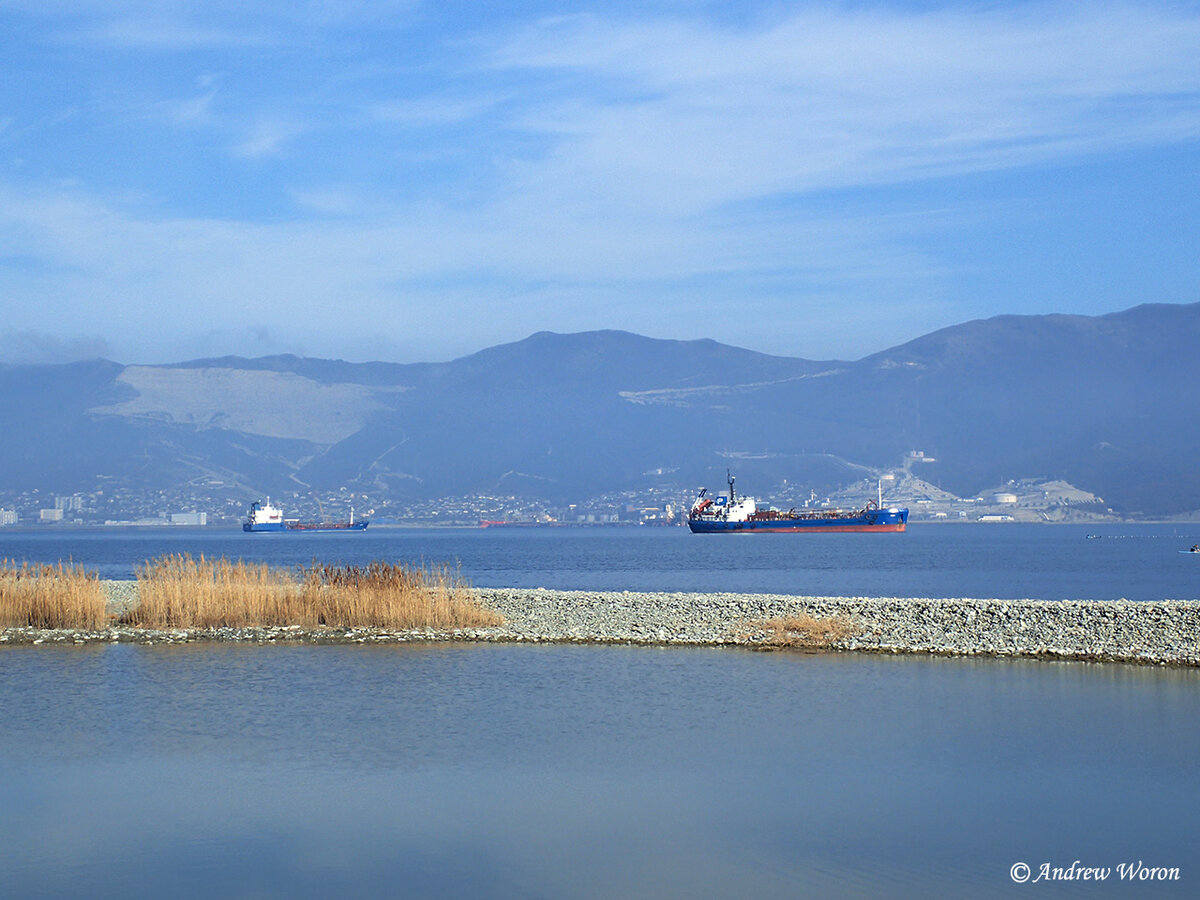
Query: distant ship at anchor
x=732, y=513
x=265, y=517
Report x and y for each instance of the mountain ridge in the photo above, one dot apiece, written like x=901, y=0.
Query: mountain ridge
x=1096, y=400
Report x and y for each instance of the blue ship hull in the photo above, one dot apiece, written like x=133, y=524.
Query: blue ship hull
x=868, y=520
x=265, y=518
x=306, y=527
x=263, y=526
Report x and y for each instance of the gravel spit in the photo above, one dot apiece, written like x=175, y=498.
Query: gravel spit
x=1158, y=632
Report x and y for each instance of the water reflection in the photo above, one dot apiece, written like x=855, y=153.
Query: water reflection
x=580, y=771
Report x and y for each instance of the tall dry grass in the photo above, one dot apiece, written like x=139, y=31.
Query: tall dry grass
x=804, y=630
x=178, y=591
x=392, y=596
x=59, y=596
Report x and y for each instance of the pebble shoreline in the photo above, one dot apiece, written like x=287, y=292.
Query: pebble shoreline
x=1165, y=632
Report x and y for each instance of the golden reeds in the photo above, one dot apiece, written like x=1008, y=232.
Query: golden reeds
x=42, y=596
x=178, y=591
x=392, y=596
x=804, y=630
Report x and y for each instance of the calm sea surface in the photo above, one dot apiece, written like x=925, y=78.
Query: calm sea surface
x=577, y=771
x=1007, y=561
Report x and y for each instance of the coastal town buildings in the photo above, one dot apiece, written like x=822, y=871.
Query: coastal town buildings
x=1021, y=500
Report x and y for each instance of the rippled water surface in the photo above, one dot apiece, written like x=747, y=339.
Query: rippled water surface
x=575, y=771
x=214, y=770
x=1008, y=561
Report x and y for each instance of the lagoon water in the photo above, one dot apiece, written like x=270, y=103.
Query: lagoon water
x=585, y=771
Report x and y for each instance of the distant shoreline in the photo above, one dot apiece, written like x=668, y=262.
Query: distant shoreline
x=1161, y=632
x=236, y=527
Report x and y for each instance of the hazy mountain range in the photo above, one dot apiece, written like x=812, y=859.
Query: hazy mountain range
x=1102, y=402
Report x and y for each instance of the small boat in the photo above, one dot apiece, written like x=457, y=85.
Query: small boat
x=1195, y=548
x=264, y=517
x=731, y=513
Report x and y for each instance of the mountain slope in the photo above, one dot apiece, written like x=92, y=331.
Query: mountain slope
x=1101, y=402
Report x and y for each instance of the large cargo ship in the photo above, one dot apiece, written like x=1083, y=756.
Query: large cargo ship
x=731, y=513
x=265, y=517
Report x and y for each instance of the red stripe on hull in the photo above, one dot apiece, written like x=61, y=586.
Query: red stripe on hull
x=811, y=528
x=889, y=527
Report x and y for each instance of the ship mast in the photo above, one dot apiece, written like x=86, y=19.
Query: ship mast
x=730, y=479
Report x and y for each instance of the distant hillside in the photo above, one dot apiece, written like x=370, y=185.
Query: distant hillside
x=1101, y=402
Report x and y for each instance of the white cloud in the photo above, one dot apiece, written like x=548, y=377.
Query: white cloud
x=188, y=111
x=155, y=26
x=454, y=279
x=580, y=172
x=429, y=112
x=162, y=34
x=689, y=115
x=267, y=137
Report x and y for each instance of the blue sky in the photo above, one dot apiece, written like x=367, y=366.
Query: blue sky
x=415, y=181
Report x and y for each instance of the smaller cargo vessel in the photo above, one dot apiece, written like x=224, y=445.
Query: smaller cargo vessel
x=267, y=518
x=731, y=513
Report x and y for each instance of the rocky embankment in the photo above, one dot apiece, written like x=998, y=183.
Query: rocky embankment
x=1117, y=630
x=1164, y=632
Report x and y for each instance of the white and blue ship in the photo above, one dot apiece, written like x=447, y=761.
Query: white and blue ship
x=730, y=513
x=265, y=517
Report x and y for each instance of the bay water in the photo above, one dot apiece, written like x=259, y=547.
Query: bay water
x=1012, y=561
x=589, y=771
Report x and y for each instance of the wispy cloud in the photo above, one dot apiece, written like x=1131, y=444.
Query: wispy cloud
x=825, y=98
x=669, y=174
x=150, y=25
x=426, y=112
x=425, y=274
x=165, y=35
x=267, y=137
x=188, y=111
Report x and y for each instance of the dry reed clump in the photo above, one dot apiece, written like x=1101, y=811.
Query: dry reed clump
x=393, y=596
x=804, y=630
x=178, y=591
x=60, y=596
